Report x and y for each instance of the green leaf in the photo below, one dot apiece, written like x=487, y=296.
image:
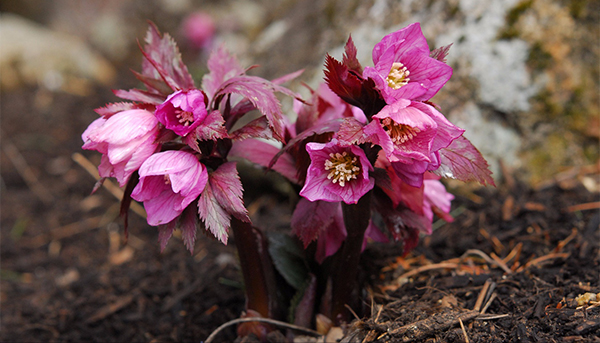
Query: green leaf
x=288, y=258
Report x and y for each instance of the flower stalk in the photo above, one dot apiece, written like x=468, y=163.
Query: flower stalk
x=356, y=219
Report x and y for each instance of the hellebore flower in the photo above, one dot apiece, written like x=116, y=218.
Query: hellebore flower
x=411, y=133
x=403, y=68
x=337, y=173
x=169, y=182
x=126, y=140
x=183, y=111
x=403, y=132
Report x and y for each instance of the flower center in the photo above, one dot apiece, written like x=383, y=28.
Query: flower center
x=167, y=179
x=343, y=167
x=398, y=76
x=399, y=133
x=186, y=118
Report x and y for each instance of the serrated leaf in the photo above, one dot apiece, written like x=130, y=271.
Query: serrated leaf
x=165, y=232
x=215, y=218
x=221, y=199
x=461, y=160
x=139, y=95
x=260, y=93
x=310, y=219
x=349, y=59
x=108, y=110
x=288, y=77
x=258, y=128
x=288, y=258
x=342, y=82
x=188, y=224
x=441, y=53
x=211, y=128
x=352, y=88
x=222, y=66
x=155, y=86
x=351, y=132
x=163, y=61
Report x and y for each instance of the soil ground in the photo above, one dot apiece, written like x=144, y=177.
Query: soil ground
x=67, y=276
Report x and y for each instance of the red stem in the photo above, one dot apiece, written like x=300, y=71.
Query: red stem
x=257, y=268
x=356, y=219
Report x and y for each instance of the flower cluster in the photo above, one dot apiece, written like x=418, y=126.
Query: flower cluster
x=380, y=132
x=169, y=144
x=366, y=154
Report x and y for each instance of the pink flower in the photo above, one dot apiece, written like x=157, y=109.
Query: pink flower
x=183, y=111
x=337, y=173
x=199, y=29
x=404, y=132
x=411, y=133
x=126, y=140
x=169, y=182
x=403, y=68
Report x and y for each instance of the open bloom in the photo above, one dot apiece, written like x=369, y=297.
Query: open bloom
x=169, y=182
x=183, y=111
x=337, y=173
x=126, y=140
x=403, y=68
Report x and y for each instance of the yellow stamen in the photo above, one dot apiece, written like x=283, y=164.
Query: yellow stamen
x=343, y=167
x=398, y=76
x=399, y=133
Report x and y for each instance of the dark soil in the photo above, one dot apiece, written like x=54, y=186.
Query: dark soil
x=67, y=276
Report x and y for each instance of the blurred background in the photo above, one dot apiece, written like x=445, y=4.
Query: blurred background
x=525, y=87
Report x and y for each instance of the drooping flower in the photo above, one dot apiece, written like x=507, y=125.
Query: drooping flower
x=403, y=68
x=169, y=182
x=337, y=173
x=183, y=111
x=411, y=133
x=126, y=139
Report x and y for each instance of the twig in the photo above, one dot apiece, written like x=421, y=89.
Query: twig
x=261, y=320
x=109, y=185
x=544, y=259
x=514, y=253
x=486, y=258
x=585, y=206
x=565, y=241
x=500, y=263
x=26, y=172
x=492, y=316
x=482, y=295
x=352, y=311
x=462, y=326
x=430, y=325
x=441, y=265
x=489, y=302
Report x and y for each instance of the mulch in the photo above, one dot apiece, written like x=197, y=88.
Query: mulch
x=510, y=268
